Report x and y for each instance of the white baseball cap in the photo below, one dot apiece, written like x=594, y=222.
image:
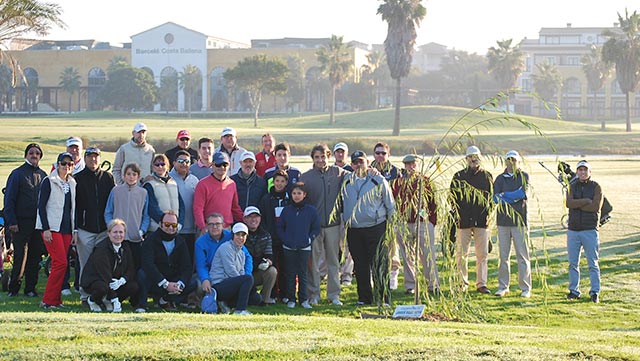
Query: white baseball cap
x=342, y=146
x=227, y=131
x=251, y=210
x=513, y=154
x=240, y=227
x=583, y=163
x=74, y=141
x=247, y=155
x=140, y=127
x=472, y=150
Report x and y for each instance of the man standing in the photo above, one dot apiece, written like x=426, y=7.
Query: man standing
x=340, y=153
x=166, y=266
x=266, y=158
x=217, y=194
x=415, y=198
x=260, y=247
x=510, y=193
x=323, y=183
x=204, y=166
x=283, y=152
x=183, y=142
x=381, y=155
x=367, y=206
x=584, y=201
x=251, y=187
x=93, y=186
x=20, y=207
x=186, y=188
x=471, y=194
x=229, y=146
x=137, y=150
x=74, y=147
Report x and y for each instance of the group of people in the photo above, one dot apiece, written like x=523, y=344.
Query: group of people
x=226, y=222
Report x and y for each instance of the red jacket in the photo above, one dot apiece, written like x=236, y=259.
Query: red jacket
x=262, y=164
x=216, y=196
x=406, y=189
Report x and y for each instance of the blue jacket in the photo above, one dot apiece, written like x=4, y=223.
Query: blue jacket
x=204, y=250
x=250, y=190
x=298, y=225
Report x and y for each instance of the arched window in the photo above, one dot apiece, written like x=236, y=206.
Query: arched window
x=169, y=89
x=218, y=89
x=29, y=99
x=148, y=70
x=315, y=89
x=97, y=78
x=572, y=86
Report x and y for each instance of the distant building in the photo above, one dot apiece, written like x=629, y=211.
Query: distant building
x=565, y=47
x=163, y=51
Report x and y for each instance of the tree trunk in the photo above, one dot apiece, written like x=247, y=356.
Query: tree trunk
x=508, y=102
x=255, y=117
x=594, y=108
x=396, y=120
x=70, y=98
x=626, y=98
x=332, y=112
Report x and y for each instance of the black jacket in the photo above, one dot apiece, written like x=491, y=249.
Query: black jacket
x=92, y=193
x=21, y=196
x=171, y=154
x=104, y=264
x=584, y=217
x=269, y=205
x=157, y=265
x=471, y=192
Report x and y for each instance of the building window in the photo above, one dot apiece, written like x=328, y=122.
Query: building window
x=169, y=89
x=551, y=60
x=218, y=90
x=572, y=86
x=526, y=84
x=573, y=60
x=29, y=98
x=97, y=79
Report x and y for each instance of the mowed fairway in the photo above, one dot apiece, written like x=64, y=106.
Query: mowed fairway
x=544, y=327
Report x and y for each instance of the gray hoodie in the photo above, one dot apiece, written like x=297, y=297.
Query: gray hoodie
x=228, y=262
x=367, y=201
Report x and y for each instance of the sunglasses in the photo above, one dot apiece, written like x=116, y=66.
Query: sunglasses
x=183, y=161
x=66, y=164
x=381, y=153
x=169, y=224
x=223, y=165
x=184, y=139
x=160, y=164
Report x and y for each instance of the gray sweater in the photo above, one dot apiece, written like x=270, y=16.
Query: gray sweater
x=323, y=188
x=366, y=202
x=228, y=262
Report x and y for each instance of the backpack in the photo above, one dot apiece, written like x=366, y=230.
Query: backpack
x=209, y=302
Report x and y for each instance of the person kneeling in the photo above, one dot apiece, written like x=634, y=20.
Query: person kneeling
x=232, y=283
x=109, y=276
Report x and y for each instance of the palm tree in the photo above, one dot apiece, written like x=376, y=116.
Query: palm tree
x=506, y=63
x=597, y=72
x=70, y=82
x=19, y=17
x=546, y=81
x=402, y=17
x=5, y=85
x=376, y=73
x=335, y=62
x=190, y=81
x=623, y=49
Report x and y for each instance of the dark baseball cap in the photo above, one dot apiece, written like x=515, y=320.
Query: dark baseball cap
x=358, y=154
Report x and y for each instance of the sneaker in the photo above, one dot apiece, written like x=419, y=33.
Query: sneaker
x=13, y=294
x=269, y=301
x=410, y=291
x=346, y=283
x=117, y=306
x=94, y=307
x=595, y=298
x=108, y=306
x=242, y=313
x=313, y=301
x=223, y=307
x=483, y=289
x=291, y=304
x=393, y=280
x=285, y=300
x=166, y=305
x=501, y=292
x=526, y=294
x=140, y=310
x=30, y=294
x=360, y=303
x=306, y=305
x=336, y=302
x=47, y=306
x=66, y=292
x=572, y=296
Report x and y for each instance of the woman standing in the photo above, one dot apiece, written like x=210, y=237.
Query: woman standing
x=163, y=193
x=56, y=218
x=110, y=274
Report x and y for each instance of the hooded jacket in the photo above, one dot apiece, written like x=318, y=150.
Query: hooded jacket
x=366, y=201
x=323, y=188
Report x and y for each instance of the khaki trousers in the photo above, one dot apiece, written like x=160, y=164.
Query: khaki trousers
x=481, y=241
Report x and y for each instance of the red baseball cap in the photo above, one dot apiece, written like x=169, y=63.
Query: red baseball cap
x=183, y=134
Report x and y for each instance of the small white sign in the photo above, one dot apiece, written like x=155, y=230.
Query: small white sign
x=409, y=311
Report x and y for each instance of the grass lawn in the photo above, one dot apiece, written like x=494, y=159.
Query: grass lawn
x=546, y=326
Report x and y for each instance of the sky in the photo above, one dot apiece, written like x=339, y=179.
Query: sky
x=469, y=25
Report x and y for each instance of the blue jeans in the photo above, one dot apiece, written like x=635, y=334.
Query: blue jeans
x=238, y=291
x=589, y=241
x=296, y=264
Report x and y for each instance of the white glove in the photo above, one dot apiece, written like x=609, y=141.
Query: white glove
x=264, y=265
x=117, y=283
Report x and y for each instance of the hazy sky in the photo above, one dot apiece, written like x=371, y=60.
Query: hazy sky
x=471, y=25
